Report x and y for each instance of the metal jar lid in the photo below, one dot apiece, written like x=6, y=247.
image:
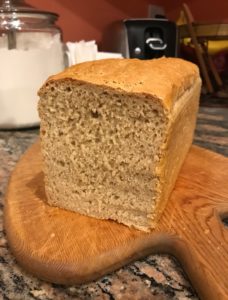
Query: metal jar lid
x=20, y=6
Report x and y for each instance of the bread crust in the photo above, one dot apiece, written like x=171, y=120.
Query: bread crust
x=179, y=139
x=164, y=78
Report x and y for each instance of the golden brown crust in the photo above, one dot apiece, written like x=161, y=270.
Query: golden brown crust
x=179, y=139
x=165, y=78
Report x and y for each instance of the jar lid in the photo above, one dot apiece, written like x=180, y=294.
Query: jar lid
x=20, y=6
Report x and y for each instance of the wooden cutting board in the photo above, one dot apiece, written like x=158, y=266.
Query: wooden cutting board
x=65, y=247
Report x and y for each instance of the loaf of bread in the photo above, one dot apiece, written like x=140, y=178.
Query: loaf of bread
x=114, y=134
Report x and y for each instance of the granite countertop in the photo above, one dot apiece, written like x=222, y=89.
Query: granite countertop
x=155, y=277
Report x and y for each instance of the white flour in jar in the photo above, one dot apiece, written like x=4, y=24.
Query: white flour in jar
x=22, y=72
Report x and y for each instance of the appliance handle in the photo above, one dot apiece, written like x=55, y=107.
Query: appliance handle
x=161, y=45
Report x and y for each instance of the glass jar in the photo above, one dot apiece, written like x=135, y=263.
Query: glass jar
x=31, y=50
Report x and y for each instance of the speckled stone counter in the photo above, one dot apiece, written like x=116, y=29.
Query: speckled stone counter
x=155, y=277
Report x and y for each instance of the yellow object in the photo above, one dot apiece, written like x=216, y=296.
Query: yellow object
x=217, y=46
x=214, y=47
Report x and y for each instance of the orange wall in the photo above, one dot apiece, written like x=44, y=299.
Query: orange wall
x=87, y=19
x=202, y=10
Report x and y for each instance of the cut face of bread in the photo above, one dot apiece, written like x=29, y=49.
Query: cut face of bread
x=109, y=151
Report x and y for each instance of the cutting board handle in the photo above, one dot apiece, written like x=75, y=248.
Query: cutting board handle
x=202, y=252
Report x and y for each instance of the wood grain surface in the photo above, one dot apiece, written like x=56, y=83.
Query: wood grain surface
x=65, y=247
